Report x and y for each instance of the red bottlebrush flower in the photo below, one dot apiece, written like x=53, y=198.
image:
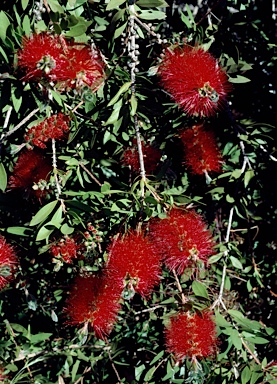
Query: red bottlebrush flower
x=66, y=250
x=31, y=167
x=82, y=68
x=182, y=239
x=8, y=262
x=201, y=151
x=194, y=79
x=133, y=260
x=94, y=300
x=40, y=55
x=191, y=335
x=151, y=158
x=54, y=127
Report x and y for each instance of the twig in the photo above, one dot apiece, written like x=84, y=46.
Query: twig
x=7, y=118
x=113, y=366
x=20, y=124
x=184, y=299
x=55, y=170
x=245, y=158
x=90, y=174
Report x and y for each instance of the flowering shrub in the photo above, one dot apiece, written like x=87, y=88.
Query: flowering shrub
x=163, y=272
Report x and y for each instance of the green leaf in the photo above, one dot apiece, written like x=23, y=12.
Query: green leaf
x=43, y=213
x=26, y=25
x=138, y=371
x=152, y=15
x=115, y=113
x=3, y=178
x=235, y=262
x=120, y=30
x=248, y=176
x=239, y=79
x=24, y=4
x=4, y=24
x=75, y=370
x=245, y=375
x=66, y=229
x=114, y=4
x=121, y=90
x=134, y=105
x=40, y=337
x=149, y=374
x=157, y=357
x=199, y=289
x=78, y=30
x=151, y=3
x=55, y=6
x=20, y=231
x=3, y=53
x=255, y=377
x=44, y=233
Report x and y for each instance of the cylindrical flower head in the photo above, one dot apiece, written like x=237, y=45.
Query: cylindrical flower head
x=151, y=157
x=54, y=127
x=194, y=79
x=82, y=68
x=182, y=239
x=201, y=152
x=134, y=261
x=191, y=335
x=41, y=54
x=95, y=300
x=8, y=263
x=31, y=167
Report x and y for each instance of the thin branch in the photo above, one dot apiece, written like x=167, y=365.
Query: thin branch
x=113, y=366
x=20, y=124
x=55, y=170
x=7, y=118
x=184, y=299
x=90, y=174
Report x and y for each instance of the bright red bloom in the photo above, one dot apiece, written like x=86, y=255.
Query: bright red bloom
x=201, y=151
x=54, y=127
x=134, y=262
x=8, y=262
x=151, y=158
x=66, y=249
x=41, y=54
x=82, y=68
x=31, y=167
x=182, y=239
x=194, y=79
x=96, y=300
x=191, y=335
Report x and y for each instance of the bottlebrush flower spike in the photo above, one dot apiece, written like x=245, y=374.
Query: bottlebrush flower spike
x=182, y=239
x=8, y=262
x=31, y=168
x=54, y=127
x=151, y=157
x=191, y=335
x=194, y=79
x=41, y=54
x=134, y=262
x=200, y=150
x=95, y=300
x=83, y=68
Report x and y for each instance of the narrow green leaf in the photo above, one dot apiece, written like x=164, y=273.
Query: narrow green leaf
x=245, y=375
x=114, y=4
x=26, y=25
x=66, y=229
x=43, y=213
x=235, y=262
x=75, y=370
x=3, y=53
x=121, y=90
x=40, y=337
x=151, y=3
x=24, y=4
x=55, y=6
x=4, y=24
x=138, y=371
x=199, y=289
x=255, y=377
x=20, y=231
x=44, y=233
x=248, y=176
x=239, y=79
x=3, y=178
x=149, y=374
x=134, y=105
x=152, y=15
x=120, y=30
x=157, y=357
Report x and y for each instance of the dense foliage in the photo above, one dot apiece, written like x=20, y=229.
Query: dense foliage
x=137, y=204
